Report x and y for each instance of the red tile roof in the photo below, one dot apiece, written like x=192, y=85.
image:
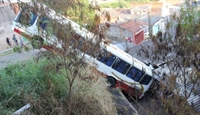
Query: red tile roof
x=133, y=26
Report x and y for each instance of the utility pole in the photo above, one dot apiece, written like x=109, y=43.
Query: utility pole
x=150, y=30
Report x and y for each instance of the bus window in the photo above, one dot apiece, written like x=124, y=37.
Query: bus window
x=121, y=66
x=87, y=47
x=93, y=50
x=32, y=18
x=43, y=22
x=26, y=17
x=18, y=17
x=135, y=74
x=106, y=58
x=76, y=41
x=146, y=79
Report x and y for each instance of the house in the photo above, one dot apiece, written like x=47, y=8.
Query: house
x=136, y=30
x=140, y=10
x=133, y=31
x=133, y=24
x=120, y=15
x=126, y=14
x=156, y=24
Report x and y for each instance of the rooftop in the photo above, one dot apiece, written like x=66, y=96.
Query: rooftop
x=133, y=25
x=141, y=8
x=153, y=19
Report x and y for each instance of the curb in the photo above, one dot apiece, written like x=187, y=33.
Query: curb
x=10, y=50
x=6, y=52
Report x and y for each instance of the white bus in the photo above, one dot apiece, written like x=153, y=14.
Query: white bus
x=121, y=69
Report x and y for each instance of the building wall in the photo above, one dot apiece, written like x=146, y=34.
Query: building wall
x=6, y=14
x=118, y=32
x=139, y=37
x=123, y=34
x=158, y=7
x=174, y=2
x=158, y=26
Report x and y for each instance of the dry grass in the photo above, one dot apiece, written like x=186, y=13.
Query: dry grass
x=89, y=97
x=47, y=91
x=94, y=96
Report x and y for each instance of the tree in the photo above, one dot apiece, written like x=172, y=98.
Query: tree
x=78, y=10
x=179, y=52
x=67, y=52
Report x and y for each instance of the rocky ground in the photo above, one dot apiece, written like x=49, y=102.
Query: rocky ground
x=123, y=105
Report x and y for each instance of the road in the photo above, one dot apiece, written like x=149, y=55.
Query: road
x=14, y=58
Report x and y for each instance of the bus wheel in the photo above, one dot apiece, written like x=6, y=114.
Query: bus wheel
x=111, y=82
x=37, y=42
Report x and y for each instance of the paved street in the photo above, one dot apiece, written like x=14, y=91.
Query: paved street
x=14, y=58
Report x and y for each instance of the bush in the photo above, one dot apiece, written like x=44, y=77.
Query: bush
x=121, y=4
x=17, y=49
x=39, y=83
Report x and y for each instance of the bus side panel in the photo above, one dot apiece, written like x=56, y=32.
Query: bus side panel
x=128, y=90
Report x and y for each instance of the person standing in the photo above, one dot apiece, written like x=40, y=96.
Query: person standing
x=21, y=41
x=15, y=39
x=8, y=41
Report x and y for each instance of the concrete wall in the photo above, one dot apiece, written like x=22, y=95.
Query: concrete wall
x=118, y=33
x=6, y=17
x=158, y=26
x=6, y=14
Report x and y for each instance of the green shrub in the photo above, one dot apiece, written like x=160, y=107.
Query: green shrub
x=121, y=4
x=20, y=80
x=17, y=49
x=39, y=83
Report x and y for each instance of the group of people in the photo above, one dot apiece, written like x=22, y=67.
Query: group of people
x=15, y=40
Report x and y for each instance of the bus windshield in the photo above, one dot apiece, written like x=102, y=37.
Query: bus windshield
x=26, y=17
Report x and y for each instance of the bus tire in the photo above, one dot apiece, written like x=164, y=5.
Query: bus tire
x=37, y=42
x=111, y=81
